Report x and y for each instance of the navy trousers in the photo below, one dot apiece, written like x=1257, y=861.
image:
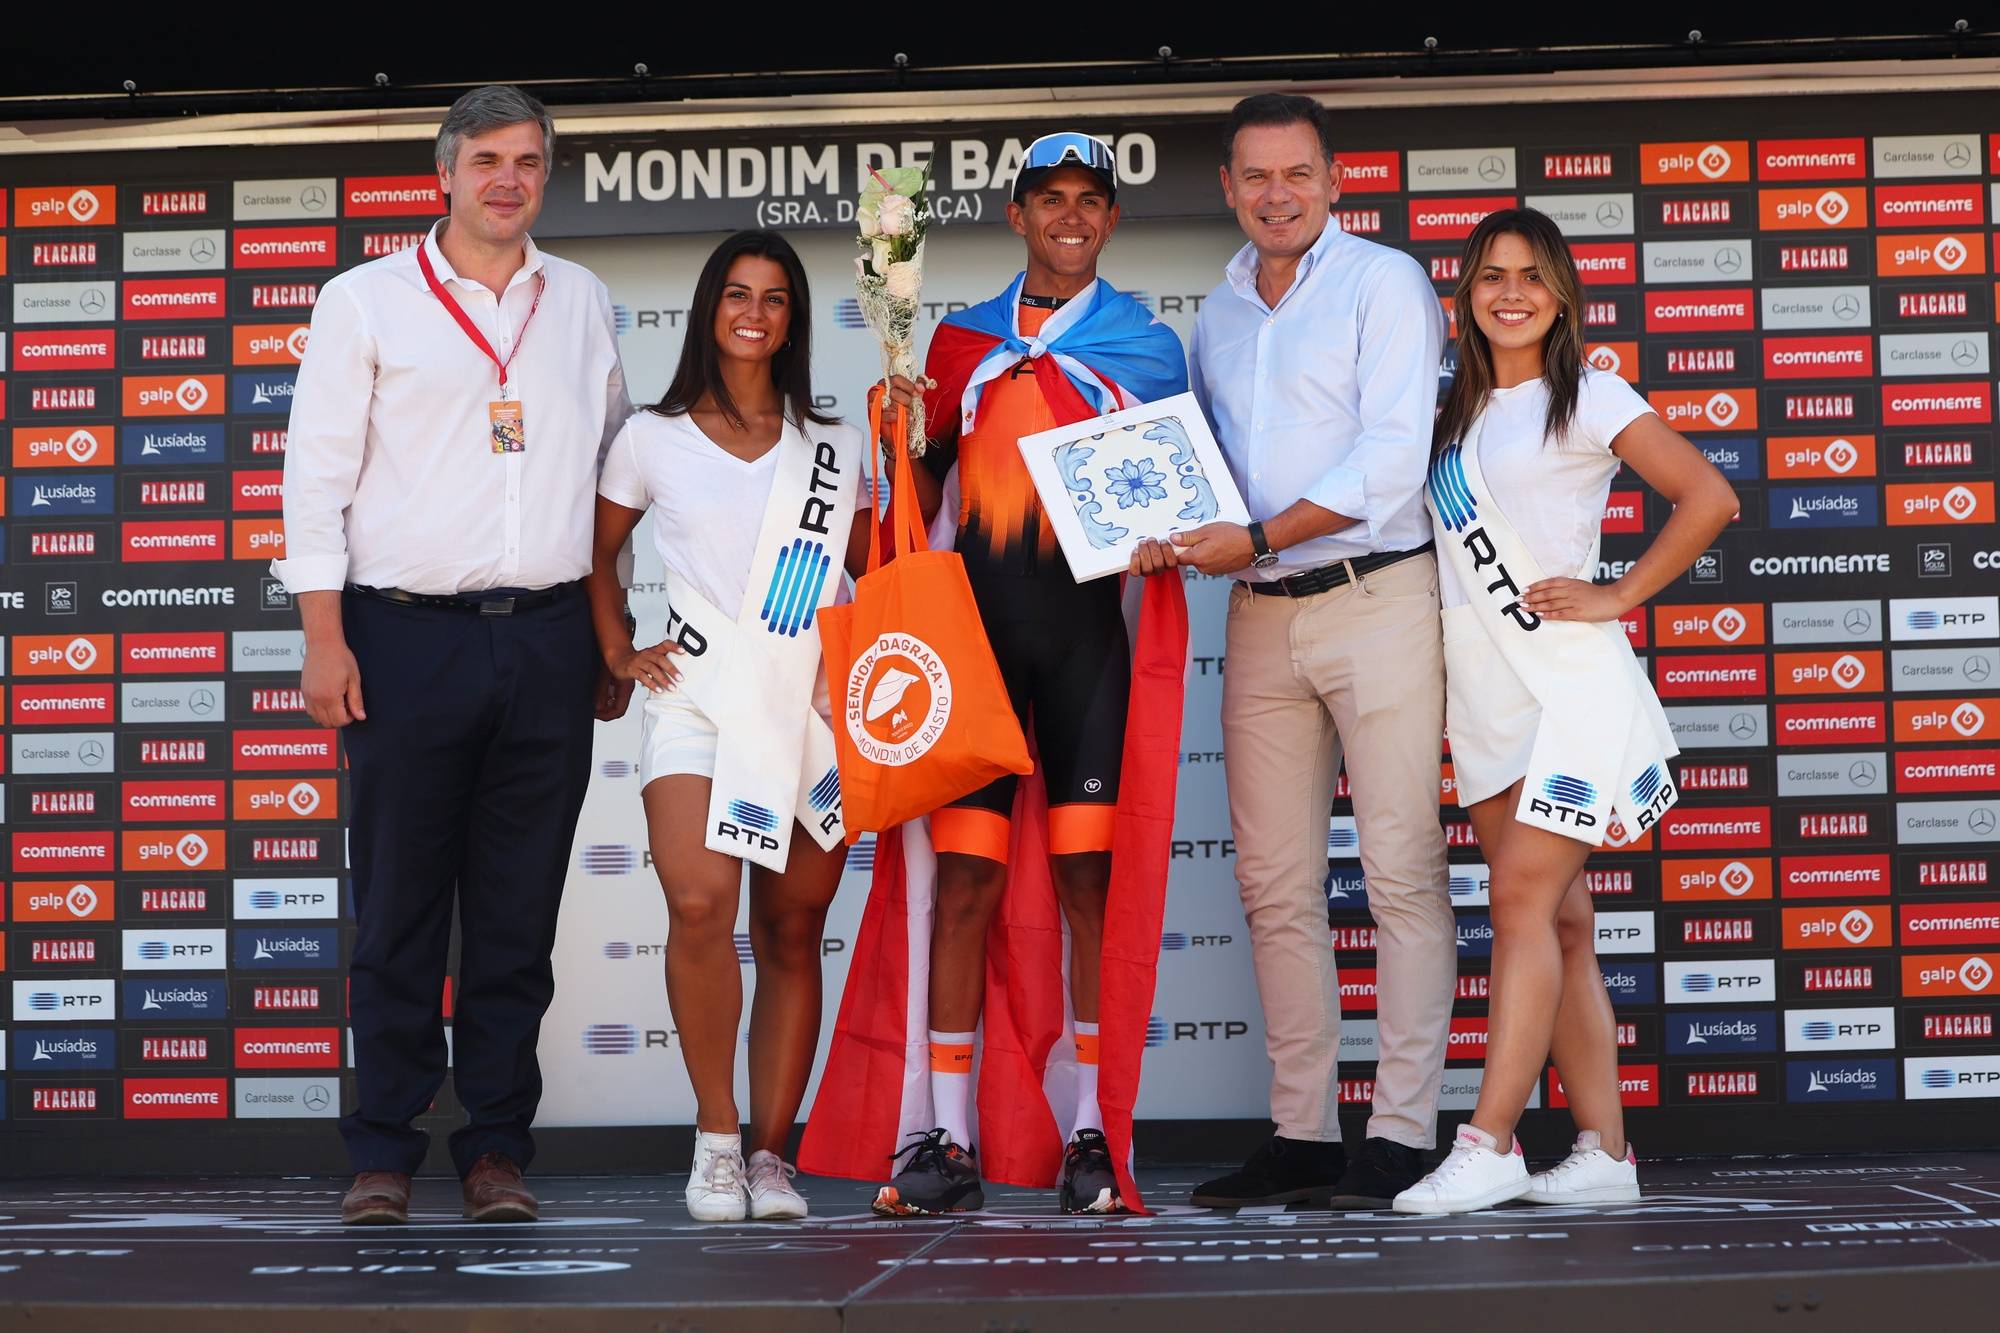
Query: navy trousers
x=467, y=778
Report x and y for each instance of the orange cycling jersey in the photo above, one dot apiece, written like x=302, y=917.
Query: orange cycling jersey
x=1000, y=520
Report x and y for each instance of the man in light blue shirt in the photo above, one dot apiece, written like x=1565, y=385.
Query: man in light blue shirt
x=1317, y=361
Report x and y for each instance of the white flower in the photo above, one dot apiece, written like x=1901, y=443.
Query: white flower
x=870, y=228
x=897, y=215
x=905, y=280
x=861, y=268
x=881, y=257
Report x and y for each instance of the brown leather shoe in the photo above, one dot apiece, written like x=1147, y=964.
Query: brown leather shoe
x=377, y=1199
x=494, y=1192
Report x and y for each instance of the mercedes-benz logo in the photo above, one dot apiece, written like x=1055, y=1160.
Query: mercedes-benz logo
x=312, y=198
x=1980, y=821
x=1859, y=620
x=1846, y=306
x=1611, y=213
x=91, y=752
x=1964, y=352
x=202, y=251
x=1862, y=773
x=1728, y=259
x=1491, y=167
x=1977, y=667
x=316, y=1098
x=91, y=300
x=201, y=702
x=1958, y=153
x=1743, y=726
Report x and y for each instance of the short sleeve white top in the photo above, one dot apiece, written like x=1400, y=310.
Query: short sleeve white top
x=1552, y=491
x=708, y=504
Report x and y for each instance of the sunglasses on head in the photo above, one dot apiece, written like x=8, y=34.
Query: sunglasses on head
x=1069, y=148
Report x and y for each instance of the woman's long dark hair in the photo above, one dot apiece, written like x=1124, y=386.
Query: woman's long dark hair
x=1562, y=347
x=700, y=368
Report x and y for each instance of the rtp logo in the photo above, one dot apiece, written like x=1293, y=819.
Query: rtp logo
x=611, y=1039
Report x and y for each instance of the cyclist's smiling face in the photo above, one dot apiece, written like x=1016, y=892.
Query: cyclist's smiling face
x=1066, y=217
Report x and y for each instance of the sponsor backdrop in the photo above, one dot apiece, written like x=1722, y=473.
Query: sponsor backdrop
x=1802, y=949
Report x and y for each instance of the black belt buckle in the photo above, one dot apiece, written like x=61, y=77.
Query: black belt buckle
x=499, y=606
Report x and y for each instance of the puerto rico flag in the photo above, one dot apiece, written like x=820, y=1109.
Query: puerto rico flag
x=1101, y=351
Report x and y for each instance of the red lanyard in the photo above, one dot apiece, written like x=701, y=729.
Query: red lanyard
x=472, y=330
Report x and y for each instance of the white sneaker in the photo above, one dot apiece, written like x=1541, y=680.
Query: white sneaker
x=715, y=1191
x=1588, y=1175
x=772, y=1198
x=1475, y=1175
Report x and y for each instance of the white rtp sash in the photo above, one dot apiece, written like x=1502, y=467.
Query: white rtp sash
x=753, y=677
x=1603, y=742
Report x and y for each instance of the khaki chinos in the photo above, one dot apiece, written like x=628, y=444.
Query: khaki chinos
x=1356, y=672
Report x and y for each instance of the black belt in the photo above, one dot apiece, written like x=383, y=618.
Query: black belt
x=1328, y=577
x=499, y=602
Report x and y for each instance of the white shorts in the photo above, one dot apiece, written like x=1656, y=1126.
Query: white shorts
x=677, y=737
x=674, y=737
x=1488, y=713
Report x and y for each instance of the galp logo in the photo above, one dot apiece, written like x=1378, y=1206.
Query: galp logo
x=168, y=395
x=1683, y=626
x=62, y=655
x=1835, y=927
x=1795, y=210
x=174, y=850
x=1705, y=409
x=1965, y=720
x=898, y=700
x=1939, y=502
x=287, y=798
x=1620, y=359
x=63, y=902
x=1727, y=879
x=66, y=206
x=1826, y=456
x=1695, y=162
x=1826, y=673
x=1933, y=254
x=270, y=344
x=1947, y=974
x=60, y=446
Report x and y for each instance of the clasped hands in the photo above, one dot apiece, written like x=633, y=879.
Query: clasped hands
x=1212, y=548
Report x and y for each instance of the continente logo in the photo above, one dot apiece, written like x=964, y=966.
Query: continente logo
x=898, y=700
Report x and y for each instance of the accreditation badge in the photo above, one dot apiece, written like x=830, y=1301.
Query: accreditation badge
x=510, y=433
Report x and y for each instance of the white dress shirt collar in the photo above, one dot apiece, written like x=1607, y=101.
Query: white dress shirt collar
x=446, y=273
x=1241, y=271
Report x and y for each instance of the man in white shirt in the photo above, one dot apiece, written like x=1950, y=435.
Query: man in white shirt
x=450, y=414
x=1317, y=360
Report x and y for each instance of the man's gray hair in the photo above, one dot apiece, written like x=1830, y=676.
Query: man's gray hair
x=494, y=107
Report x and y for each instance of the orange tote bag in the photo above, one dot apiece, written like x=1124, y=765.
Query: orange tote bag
x=921, y=715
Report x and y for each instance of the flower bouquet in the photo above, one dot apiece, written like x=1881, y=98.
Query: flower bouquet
x=894, y=214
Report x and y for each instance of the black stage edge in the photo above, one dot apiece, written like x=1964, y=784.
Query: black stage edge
x=1718, y=1244
x=167, y=1148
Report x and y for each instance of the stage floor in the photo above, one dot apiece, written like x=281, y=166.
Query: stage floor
x=1822, y=1243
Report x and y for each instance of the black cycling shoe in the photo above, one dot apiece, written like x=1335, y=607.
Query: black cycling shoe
x=1380, y=1170
x=1281, y=1171
x=1088, y=1183
x=940, y=1177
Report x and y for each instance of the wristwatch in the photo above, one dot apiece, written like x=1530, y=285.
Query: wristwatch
x=1265, y=557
